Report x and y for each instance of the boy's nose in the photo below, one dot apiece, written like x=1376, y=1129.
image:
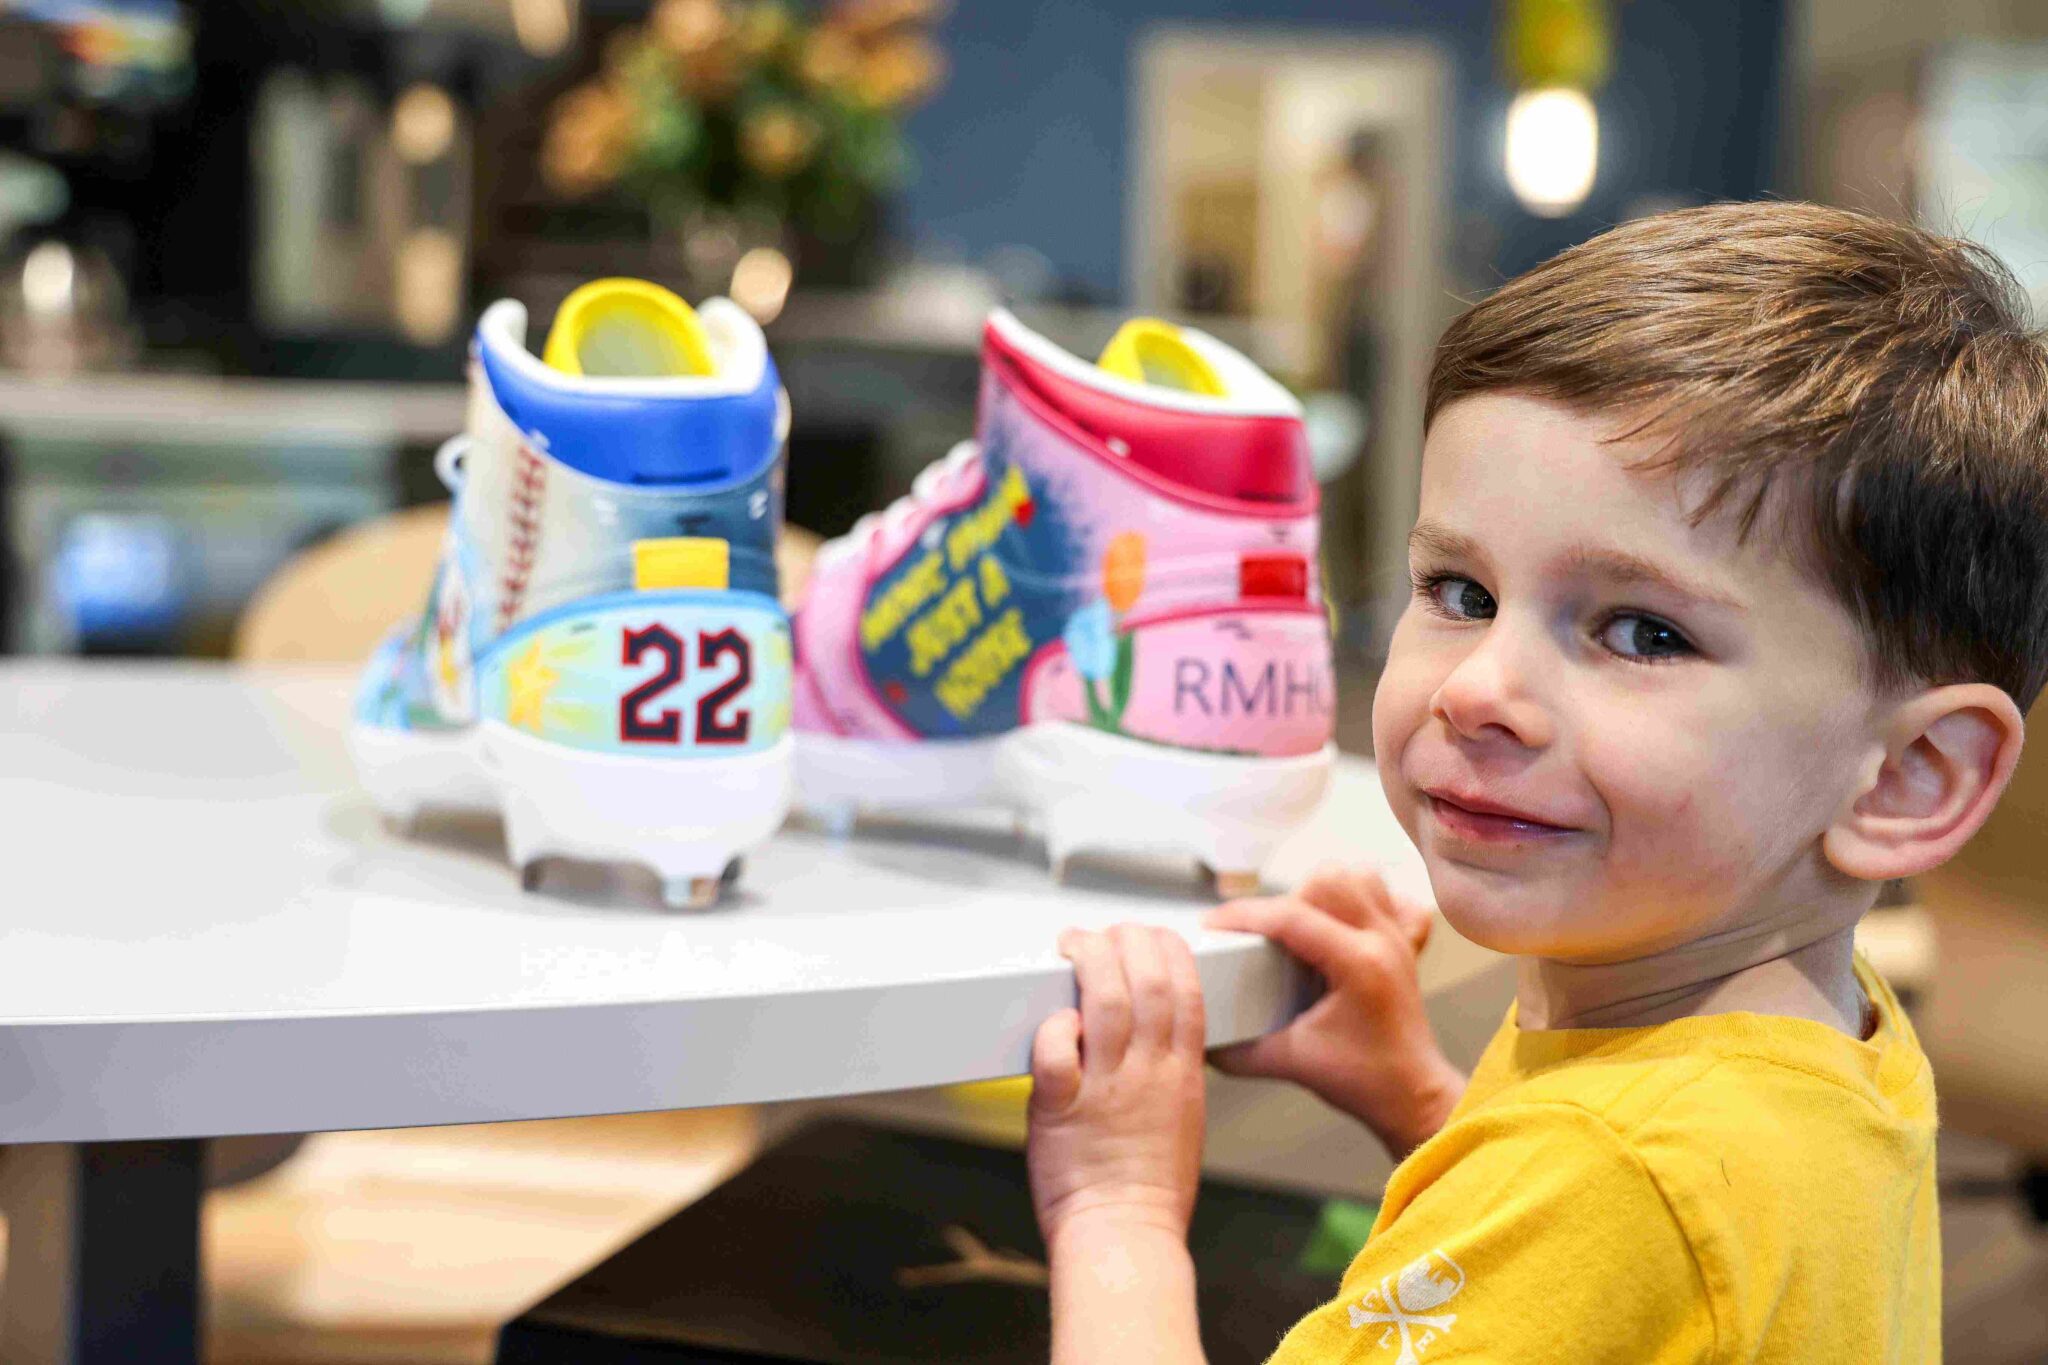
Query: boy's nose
x=1488, y=696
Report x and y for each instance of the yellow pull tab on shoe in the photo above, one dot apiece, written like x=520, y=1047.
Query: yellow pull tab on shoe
x=1148, y=351
x=682, y=562
x=628, y=329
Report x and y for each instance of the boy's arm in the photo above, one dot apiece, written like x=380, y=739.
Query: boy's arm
x=1115, y=1148
x=1366, y=1047
x=1123, y=1293
x=1537, y=1232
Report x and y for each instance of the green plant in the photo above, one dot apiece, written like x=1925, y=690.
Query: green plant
x=751, y=105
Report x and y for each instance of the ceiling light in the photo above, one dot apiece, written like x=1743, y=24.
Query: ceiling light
x=1553, y=149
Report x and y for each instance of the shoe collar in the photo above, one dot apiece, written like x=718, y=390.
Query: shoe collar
x=1248, y=390
x=737, y=346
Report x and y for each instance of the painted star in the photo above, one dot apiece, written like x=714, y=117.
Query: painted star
x=528, y=681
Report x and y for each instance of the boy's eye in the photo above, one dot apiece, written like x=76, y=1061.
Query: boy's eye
x=1462, y=599
x=1644, y=637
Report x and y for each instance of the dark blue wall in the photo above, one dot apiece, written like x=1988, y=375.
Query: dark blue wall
x=1027, y=142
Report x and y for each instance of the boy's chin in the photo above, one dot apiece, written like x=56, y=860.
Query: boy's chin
x=1519, y=916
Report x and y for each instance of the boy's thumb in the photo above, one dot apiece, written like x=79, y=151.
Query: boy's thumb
x=1254, y=1057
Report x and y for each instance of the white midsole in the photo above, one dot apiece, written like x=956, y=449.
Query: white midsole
x=1092, y=790
x=689, y=817
x=684, y=817
x=407, y=771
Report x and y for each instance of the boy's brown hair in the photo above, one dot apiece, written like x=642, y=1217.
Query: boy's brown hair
x=1877, y=384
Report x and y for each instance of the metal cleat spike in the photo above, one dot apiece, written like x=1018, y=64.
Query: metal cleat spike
x=691, y=893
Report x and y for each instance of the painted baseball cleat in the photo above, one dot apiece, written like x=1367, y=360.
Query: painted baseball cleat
x=1105, y=612
x=603, y=656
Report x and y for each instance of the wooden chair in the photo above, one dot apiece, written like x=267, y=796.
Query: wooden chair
x=334, y=602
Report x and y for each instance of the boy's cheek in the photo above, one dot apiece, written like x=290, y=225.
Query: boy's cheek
x=1686, y=858
x=1400, y=705
x=1715, y=791
x=1387, y=705
x=1672, y=826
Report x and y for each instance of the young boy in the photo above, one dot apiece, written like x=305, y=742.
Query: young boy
x=1730, y=589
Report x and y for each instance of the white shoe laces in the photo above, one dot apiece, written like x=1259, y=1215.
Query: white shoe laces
x=449, y=459
x=933, y=483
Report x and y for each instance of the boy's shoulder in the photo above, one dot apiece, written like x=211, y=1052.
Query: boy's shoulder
x=1751, y=1072
x=1743, y=1071
x=1728, y=1187
x=1726, y=1116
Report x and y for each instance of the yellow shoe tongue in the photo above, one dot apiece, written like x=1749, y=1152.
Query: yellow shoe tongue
x=627, y=329
x=1148, y=351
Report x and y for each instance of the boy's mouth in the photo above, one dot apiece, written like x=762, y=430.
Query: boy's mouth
x=1476, y=820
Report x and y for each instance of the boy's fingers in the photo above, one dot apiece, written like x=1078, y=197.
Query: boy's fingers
x=1369, y=904
x=1256, y=1057
x=1056, y=1060
x=1323, y=942
x=1190, y=1025
x=1243, y=914
x=1337, y=890
x=1358, y=900
x=1144, y=963
x=1420, y=920
x=1105, y=999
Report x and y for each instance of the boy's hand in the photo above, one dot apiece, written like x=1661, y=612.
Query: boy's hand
x=1366, y=1047
x=1117, y=1090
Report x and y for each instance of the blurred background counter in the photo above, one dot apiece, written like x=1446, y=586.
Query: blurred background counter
x=197, y=200
x=149, y=507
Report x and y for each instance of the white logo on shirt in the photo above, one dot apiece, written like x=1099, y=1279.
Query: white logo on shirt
x=1403, y=1306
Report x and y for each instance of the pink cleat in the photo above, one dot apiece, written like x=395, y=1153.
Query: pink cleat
x=1104, y=612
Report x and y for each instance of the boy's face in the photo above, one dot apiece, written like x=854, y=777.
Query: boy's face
x=1609, y=731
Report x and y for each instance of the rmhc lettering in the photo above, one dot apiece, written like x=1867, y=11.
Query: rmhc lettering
x=984, y=665
x=1274, y=690
x=901, y=600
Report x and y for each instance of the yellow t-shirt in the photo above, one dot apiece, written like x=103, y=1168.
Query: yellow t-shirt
x=1732, y=1187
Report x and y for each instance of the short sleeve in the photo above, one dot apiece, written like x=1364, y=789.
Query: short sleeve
x=1529, y=1234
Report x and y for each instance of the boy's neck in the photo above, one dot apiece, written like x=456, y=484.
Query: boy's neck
x=1761, y=974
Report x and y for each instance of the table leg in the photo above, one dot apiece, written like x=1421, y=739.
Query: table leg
x=102, y=1253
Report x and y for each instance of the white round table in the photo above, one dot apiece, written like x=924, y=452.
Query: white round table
x=208, y=931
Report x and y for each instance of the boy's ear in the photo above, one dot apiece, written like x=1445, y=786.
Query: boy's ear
x=1948, y=752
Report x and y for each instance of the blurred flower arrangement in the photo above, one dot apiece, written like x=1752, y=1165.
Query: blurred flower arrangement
x=754, y=107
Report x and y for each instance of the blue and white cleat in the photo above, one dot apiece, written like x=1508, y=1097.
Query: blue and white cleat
x=603, y=656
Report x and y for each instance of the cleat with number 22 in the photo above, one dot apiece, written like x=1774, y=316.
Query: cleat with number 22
x=603, y=656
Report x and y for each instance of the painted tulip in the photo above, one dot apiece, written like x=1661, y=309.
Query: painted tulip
x=1123, y=570
x=1090, y=638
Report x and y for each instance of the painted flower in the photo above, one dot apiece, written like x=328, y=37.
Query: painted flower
x=1090, y=638
x=1123, y=570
